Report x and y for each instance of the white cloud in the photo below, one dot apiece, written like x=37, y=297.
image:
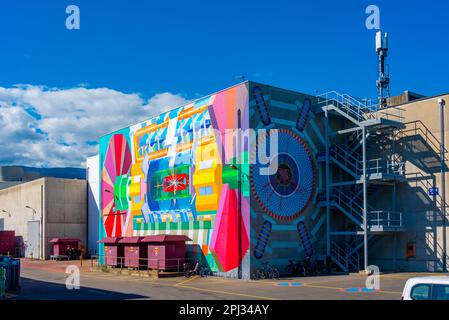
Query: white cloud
x=40, y=126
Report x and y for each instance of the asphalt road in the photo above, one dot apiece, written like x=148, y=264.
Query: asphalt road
x=45, y=280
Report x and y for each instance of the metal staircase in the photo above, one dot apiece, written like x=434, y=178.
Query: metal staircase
x=349, y=150
x=343, y=258
x=347, y=106
x=352, y=163
x=352, y=207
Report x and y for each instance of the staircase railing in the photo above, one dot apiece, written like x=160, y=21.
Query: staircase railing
x=348, y=203
x=414, y=128
x=352, y=163
x=374, y=166
x=339, y=255
x=346, y=104
x=386, y=166
x=359, y=110
x=345, y=258
x=390, y=219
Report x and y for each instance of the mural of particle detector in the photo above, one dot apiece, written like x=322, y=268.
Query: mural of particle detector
x=177, y=174
x=285, y=220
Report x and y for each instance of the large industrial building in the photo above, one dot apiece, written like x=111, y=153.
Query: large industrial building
x=43, y=209
x=355, y=182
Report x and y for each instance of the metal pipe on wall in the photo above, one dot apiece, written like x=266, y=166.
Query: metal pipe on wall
x=441, y=104
x=365, y=204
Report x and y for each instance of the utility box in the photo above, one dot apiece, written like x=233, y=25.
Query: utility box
x=62, y=245
x=11, y=269
x=166, y=252
x=135, y=252
x=7, y=242
x=114, y=252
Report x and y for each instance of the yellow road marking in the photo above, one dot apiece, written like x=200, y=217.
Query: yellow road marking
x=390, y=292
x=188, y=280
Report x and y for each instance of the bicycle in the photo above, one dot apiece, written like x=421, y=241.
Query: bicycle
x=296, y=268
x=188, y=271
x=205, y=272
x=266, y=271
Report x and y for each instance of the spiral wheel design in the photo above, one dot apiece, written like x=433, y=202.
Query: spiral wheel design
x=287, y=193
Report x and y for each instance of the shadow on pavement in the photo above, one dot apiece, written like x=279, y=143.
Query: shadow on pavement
x=41, y=290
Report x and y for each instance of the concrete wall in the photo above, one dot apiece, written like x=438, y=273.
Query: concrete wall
x=93, y=194
x=422, y=217
x=15, y=199
x=61, y=202
x=66, y=214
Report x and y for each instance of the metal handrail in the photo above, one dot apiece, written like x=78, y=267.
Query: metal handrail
x=343, y=199
x=390, y=113
x=359, y=110
x=355, y=109
x=386, y=166
x=345, y=257
x=391, y=219
x=379, y=165
x=419, y=128
x=347, y=159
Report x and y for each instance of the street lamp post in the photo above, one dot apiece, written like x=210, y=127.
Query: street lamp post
x=442, y=103
x=34, y=211
x=7, y=212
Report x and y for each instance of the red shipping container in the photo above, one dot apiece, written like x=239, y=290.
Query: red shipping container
x=114, y=252
x=135, y=252
x=166, y=252
x=7, y=242
x=60, y=245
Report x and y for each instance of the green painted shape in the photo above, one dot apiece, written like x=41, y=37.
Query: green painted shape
x=197, y=225
x=207, y=224
x=121, y=197
x=204, y=213
x=232, y=171
x=185, y=226
x=211, y=262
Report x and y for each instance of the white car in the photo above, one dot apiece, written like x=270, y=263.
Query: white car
x=426, y=288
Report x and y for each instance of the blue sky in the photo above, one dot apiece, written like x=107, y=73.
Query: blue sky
x=196, y=47
x=60, y=89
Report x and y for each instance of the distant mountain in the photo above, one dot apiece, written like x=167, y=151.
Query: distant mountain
x=65, y=173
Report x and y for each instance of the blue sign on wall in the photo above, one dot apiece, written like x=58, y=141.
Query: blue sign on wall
x=434, y=191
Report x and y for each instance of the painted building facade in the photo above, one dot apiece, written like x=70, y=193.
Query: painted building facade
x=190, y=172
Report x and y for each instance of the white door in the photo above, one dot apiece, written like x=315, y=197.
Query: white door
x=33, y=245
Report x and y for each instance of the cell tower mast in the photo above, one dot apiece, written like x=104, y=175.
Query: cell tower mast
x=383, y=81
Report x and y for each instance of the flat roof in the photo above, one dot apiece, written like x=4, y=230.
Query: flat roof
x=202, y=98
x=420, y=99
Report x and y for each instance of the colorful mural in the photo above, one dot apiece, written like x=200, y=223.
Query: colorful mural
x=178, y=174
x=285, y=221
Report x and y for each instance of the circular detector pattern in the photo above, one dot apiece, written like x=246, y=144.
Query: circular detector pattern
x=287, y=193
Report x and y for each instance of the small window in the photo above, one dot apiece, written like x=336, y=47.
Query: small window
x=420, y=292
x=440, y=292
x=205, y=191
